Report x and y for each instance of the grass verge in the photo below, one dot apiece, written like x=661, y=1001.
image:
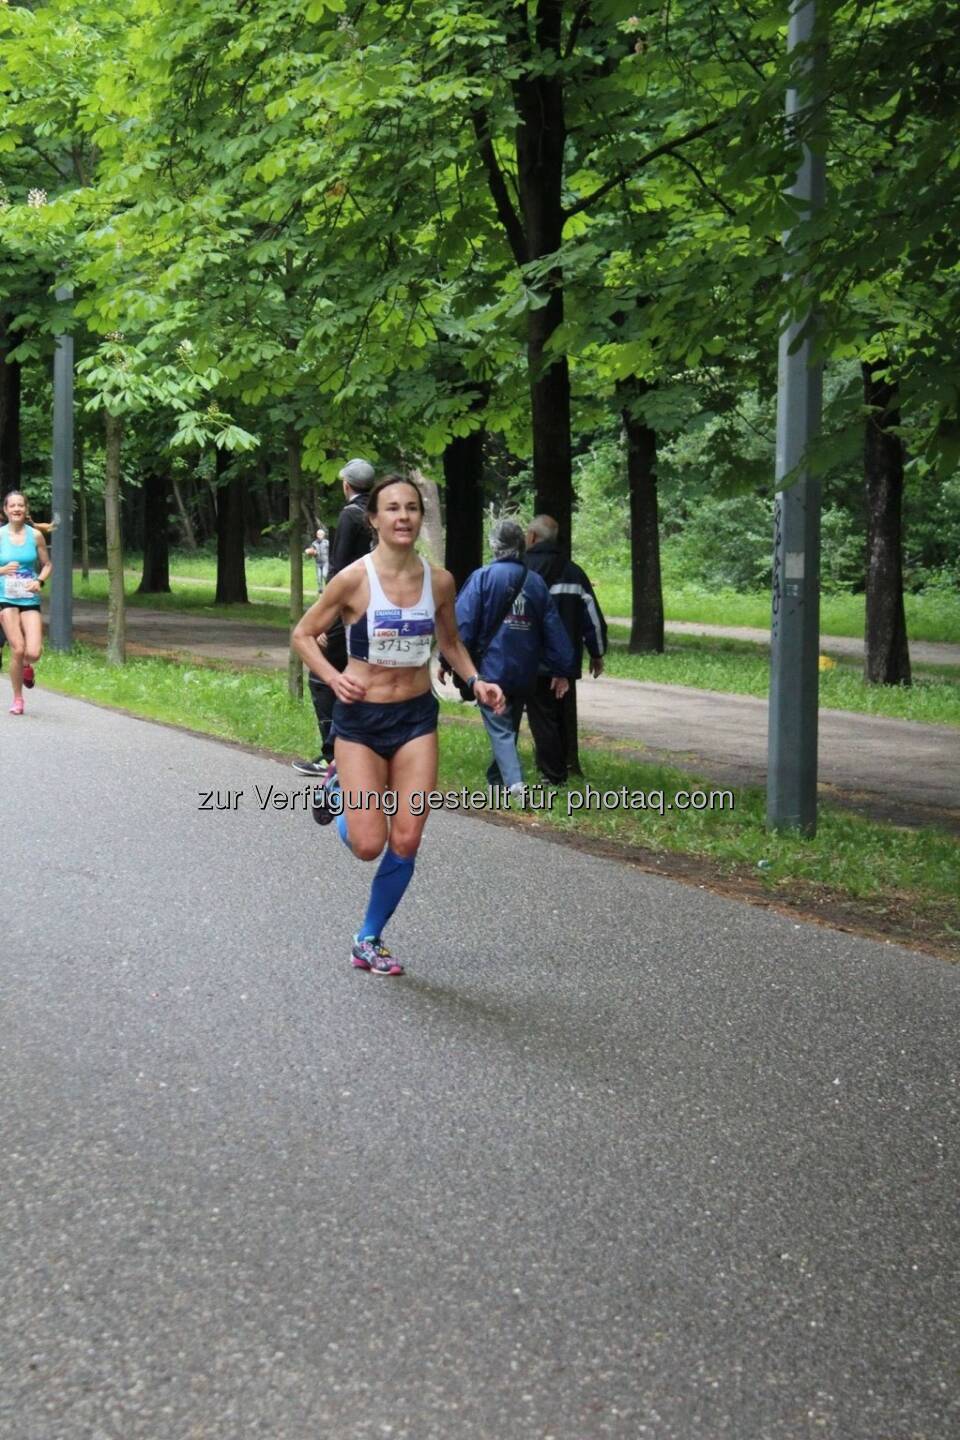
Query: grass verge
x=192, y=598
x=857, y=873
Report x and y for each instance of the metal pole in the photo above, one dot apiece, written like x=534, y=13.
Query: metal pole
x=61, y=588
x=795, y=620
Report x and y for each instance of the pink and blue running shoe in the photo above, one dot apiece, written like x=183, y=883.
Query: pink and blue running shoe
x=371, y=954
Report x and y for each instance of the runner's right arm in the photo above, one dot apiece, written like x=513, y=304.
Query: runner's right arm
x=336, y=599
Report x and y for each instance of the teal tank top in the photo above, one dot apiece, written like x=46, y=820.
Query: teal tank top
x=26, y=557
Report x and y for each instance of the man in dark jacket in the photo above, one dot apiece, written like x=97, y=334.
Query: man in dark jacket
x=351, y=541
x=553, y=718
x=511, y=627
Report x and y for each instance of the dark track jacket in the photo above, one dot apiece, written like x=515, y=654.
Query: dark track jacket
x=351, y=539
x=574, y=598
x=530, y=637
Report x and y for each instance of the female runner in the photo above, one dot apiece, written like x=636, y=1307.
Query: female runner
x=385, y=715
x=24, y=566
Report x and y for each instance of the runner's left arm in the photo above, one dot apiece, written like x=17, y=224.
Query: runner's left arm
x=46, y=569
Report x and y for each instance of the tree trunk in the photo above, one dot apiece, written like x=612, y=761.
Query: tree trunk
x=646, y=630
x=156, y=540
x=431, y=533
x=886, y=652
x=186, y=524
x=550, y=421
x=541, y=136
x=231, y=561
x=84, y=518
x=295, y=482
x=463, y=490
x=9, y=416
x=116, y=611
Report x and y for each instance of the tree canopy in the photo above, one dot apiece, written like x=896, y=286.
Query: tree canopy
x=388, y=225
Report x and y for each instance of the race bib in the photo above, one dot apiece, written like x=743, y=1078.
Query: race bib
x=398, y=641
x=17, y=587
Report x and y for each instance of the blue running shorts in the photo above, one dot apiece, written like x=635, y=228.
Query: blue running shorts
x=384, y=726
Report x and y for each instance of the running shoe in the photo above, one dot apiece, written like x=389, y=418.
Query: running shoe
x=29, y=679
x=17, y=707
x=371, y=954
x=316, y=769
x=323, y=811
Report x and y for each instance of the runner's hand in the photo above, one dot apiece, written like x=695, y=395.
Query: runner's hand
x=348, y=689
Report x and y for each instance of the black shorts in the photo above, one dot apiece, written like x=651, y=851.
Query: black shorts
x=385, y=726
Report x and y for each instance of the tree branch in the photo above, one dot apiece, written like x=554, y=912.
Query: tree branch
x=498, y=187
x=714, y=195
x=667, y=148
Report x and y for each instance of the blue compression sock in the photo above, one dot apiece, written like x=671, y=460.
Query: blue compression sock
x=391, y=880
x=341, y=824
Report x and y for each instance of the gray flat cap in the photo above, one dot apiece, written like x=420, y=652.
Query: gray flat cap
x=359, y=474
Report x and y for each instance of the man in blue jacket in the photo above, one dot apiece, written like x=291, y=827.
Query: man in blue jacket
x=512, y=628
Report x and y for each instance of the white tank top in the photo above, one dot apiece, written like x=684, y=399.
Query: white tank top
x=391, y=634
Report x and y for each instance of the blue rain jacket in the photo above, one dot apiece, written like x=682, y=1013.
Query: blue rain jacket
x=531, y=636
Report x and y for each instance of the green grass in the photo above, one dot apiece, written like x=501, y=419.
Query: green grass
x=190, y=598
x=271, y=571
x=855, y=857
x=933, y=616
x=740, y=668
x=852, y=858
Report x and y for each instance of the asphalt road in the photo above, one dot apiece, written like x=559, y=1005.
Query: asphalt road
x=617, y=1158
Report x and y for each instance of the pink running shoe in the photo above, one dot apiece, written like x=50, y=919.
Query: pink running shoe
x=17, y=707
x=29, y=678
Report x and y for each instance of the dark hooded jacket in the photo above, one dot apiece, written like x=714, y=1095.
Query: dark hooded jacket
x=575, y=599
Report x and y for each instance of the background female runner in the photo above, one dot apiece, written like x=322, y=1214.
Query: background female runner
x=24, y=566
x=392, y=604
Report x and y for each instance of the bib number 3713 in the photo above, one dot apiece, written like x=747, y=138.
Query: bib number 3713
x=406, y=642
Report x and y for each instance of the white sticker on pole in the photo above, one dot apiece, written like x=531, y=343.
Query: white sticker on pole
x=793, y=565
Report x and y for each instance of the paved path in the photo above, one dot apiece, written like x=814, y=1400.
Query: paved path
x=890, y=768
x=618, y=1160
x=921, y=651
x=908, y=771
